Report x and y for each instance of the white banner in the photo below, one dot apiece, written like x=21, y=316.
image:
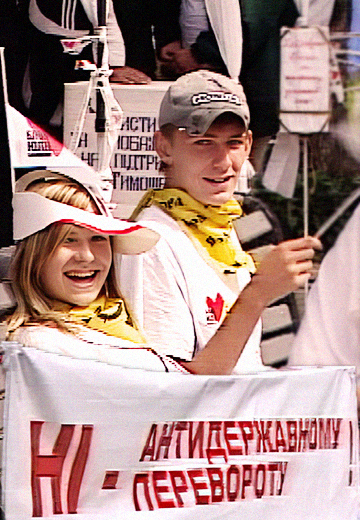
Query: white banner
x=85, y=440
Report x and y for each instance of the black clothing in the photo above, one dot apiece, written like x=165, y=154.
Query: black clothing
x=260, y=72
x=139, y=22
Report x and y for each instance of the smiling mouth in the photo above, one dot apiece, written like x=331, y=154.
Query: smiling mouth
x=219, y=181
x=78, y=276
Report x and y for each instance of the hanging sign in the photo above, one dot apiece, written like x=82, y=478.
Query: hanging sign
x=305, y=80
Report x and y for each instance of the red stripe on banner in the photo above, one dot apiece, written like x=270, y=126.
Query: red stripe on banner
x=110, y=480
x=48, y=465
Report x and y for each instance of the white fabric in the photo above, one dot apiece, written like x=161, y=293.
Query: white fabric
x=93, y=345
x=167, y=288
x=225, y=20
x=283, y=165
x=116, y=48
x=315, y=12
x=115, y=42
x=330, y=330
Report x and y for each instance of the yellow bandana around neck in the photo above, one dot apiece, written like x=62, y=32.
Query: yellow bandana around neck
x=107, y=315
x=210, y=226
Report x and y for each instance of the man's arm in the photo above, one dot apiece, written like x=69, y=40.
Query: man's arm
x=286, y=268
x=204, y=53
x=155, y=289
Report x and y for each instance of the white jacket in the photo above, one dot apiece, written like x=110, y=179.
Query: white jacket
x=66, y=18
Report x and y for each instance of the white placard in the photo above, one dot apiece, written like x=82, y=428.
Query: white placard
x=32, y=147
x=134, y=163
x=91, y=441
x=304, y=80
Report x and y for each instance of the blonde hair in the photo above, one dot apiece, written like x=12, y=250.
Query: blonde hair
x=32, y=305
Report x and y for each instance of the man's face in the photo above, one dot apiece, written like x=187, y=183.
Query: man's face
x=207, y=167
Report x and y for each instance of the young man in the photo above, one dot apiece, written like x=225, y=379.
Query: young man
x=183, y=288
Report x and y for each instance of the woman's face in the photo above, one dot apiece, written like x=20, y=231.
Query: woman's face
x=76, y=271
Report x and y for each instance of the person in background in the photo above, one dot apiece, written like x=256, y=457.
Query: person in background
x=186, y=290
x=13, y=28
x=131, y=54
x=151, y=33
x=48, y=66
x=261, y=21
x=329, y=332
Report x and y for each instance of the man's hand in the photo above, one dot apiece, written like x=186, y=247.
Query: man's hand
x=129, y=76
x=285, y=269
x=168, y=52
x=184, y=61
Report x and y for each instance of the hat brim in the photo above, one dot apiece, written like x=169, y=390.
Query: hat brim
x=87, y=180
x=33, y=213
x=205, y=117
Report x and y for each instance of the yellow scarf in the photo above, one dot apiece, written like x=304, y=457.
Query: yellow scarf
x=208, y=226
x=107, y=315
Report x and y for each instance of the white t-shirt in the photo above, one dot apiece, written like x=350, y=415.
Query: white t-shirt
x=177, y=298
x=329, y=333
x=193, y=20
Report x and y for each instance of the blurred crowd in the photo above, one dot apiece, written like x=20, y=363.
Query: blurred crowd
x=153, y=40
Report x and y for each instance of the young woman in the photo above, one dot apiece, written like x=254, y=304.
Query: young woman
x=67, y=297
x=67, y=301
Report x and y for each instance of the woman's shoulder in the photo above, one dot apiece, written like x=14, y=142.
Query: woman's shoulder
x=94, y=345
x=45, y=337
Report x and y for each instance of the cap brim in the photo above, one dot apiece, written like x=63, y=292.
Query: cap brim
x=207, y=117
x=33, y=213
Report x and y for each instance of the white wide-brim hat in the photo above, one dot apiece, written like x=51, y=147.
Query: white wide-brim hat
x=33, y=213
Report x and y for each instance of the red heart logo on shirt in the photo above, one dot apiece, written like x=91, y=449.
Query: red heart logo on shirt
x=216, y=307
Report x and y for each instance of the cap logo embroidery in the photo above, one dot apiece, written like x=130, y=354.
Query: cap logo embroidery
x=203, y=98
